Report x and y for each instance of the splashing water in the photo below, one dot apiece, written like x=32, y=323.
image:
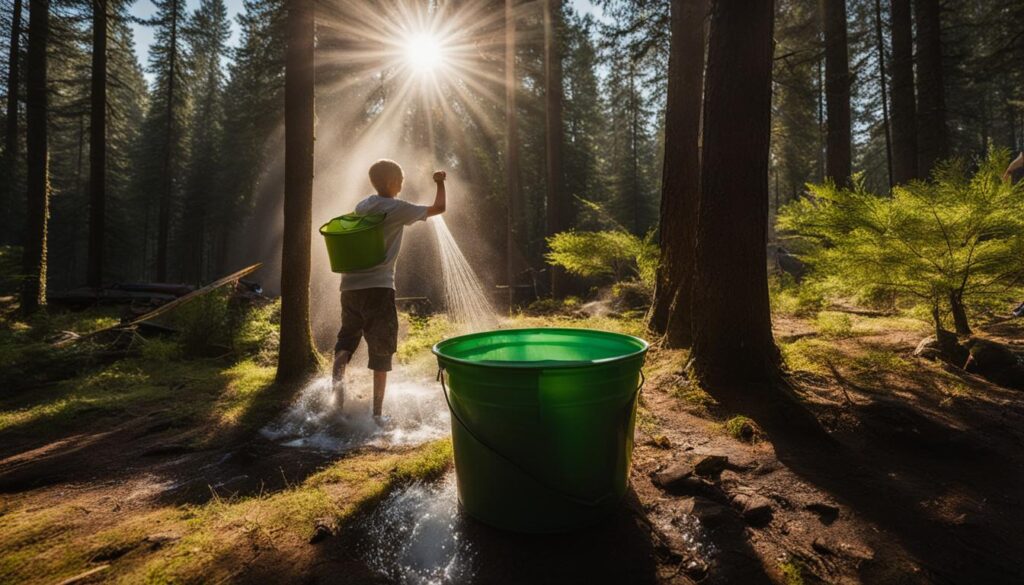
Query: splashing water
x=466, y=302
x=415, y=537
x=417, y=410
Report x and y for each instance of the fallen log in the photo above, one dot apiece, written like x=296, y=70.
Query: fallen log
x=168, y=306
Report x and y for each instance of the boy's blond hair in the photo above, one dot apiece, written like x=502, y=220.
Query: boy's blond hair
x=383, y=172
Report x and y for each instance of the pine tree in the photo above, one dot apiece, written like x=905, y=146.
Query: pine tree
x=554, y=130
x=256, y=87
x=9, y=191
x=127, y=97
x=932, y=145
x=297, y=358
x=838, y=158
x=166, y=123
x=33, y=290
x=584, y=117
x=680, y=187
x=98, y=145
x=733, y=341
x=206, y=34
x=796, y=153
x=904, y=109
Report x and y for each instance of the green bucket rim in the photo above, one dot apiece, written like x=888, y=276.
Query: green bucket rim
x=376, y=218
x=438, y=348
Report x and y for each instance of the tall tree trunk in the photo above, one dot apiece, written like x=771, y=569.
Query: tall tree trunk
x=932, y=136
x=904, y=111
x=512, y=188
x=557, y=208
x=33, y=289
x=960, y=321
x=883, y=85
x=97, y=145
x=680, y=179
x=164, y=218
x=732, y=333
x=11, y=138
x=634, y=137
x=297, y=358
x=838, y=161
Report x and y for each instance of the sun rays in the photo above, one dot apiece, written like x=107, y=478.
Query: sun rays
x=436, y=65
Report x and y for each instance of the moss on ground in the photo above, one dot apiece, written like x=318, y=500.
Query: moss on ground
x=173, y=544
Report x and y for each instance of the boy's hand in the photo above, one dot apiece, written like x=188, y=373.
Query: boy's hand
x=440, y=176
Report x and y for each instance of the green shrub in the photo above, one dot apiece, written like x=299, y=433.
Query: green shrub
x=612, y=254
x=955, y=240
x=258, y=334
x=788, y=297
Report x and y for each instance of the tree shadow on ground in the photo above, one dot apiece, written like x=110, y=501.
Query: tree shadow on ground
x=945, y=488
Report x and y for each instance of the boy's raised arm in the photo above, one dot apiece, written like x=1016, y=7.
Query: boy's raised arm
x=439, y=199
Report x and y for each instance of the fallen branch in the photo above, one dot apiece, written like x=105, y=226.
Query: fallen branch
x=167, y=307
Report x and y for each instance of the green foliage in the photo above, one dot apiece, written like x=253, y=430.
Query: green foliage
x=423, y=333
x=834, y=324
x=790, y=298
x=611, y=254
x=741, y=428
x=958, y=235
x=554, y=306
x=259, y=333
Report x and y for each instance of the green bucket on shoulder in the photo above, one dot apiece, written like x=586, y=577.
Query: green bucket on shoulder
x=355, y=241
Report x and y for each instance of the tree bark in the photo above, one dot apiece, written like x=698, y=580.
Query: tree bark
x=932, y=136
x=163, y=235
x=33, y=289
x=680, y=183
x=883, y=85
x=732, y=330
x=960, y=322
x=297, y=358
x=11, y=138
x=97, y=145
x=512, y=187
x=557, y=211
x=904, y=111
x=838, y=158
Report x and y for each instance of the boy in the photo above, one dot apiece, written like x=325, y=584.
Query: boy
x=368, y=296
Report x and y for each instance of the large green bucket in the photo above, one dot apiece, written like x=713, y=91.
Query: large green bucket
x=542, y=423
x=354, y=241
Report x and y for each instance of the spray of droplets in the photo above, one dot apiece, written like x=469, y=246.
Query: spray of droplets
x=465, y=299
x=414, y=538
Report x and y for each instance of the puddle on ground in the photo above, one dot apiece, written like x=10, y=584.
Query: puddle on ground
x=417, y=410
x=416, y=537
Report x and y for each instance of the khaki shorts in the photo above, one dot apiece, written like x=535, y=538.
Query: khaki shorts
x=369, y=313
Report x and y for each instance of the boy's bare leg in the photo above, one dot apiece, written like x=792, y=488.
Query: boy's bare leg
x=341, y=360
x=380, y=382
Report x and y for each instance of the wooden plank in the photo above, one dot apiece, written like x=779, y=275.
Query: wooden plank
x=171, y=305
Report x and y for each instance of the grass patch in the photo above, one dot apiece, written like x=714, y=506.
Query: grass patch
x=51, y=543
x=808, y=355
x=741, y=428
x=792, y=574
x=833, y=324
x=630, y=325
x=246, y=383
x=423, y=333
x=692, y=394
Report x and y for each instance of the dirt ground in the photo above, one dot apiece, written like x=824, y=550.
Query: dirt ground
x=918, y=480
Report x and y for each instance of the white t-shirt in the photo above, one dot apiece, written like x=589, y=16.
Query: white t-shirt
x=399, y=214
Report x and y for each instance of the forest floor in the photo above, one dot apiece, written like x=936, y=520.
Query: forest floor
x=130, y=469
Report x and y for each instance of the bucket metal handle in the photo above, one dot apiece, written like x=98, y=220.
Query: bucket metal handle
x=589, y=503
